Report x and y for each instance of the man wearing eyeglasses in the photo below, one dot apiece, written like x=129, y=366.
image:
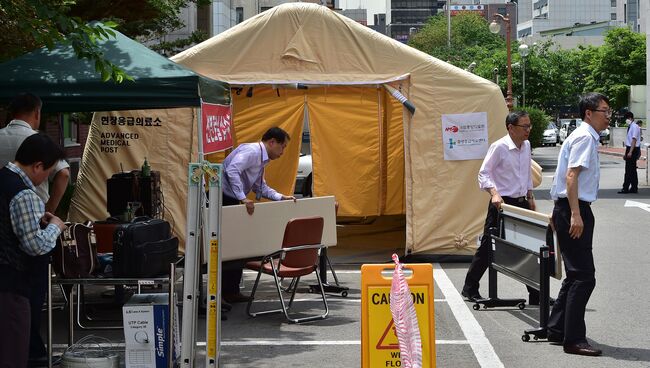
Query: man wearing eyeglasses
x=505, y=174
x=632, y=154
x=574, y=188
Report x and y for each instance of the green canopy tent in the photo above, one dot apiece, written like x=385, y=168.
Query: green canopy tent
x=66, y=83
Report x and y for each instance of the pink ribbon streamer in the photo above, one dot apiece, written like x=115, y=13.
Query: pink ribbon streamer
x=405, y=319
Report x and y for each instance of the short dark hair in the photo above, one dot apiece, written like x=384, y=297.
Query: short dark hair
x=514, y=117
x=276, y=133
x=629, y=115
x=590, y=101
x=24, y=103
x=39, y=148
x=639, y=122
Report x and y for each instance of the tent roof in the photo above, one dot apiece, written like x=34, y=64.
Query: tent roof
x=310, y=44
x=66, y=83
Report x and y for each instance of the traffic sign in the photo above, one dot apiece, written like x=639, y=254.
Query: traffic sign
x=379, y=344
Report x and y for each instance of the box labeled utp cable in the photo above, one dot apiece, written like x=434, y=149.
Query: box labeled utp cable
x=146, y=331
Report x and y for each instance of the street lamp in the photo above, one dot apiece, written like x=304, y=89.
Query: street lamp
x=523, y=52
x=495, y=28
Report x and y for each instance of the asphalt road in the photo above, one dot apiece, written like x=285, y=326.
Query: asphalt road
x=616, y=320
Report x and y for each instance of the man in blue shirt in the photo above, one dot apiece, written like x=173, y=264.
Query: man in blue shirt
x=574, y=188
x=243, y=172
x=26, y=231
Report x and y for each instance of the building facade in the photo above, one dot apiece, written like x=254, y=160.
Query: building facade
x=403, y=17
x=552, y=14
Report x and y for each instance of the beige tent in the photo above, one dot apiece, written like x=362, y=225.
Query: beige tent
x=369, y=151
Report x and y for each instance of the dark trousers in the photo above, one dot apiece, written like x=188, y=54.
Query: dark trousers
x=14, y=323
x=631, y=179
x=568, y=314
x=36, y=299
x=481, y=259
x=231, y=271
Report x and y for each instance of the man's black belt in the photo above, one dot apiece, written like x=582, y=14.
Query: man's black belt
x=565, y=201
x=515, y=199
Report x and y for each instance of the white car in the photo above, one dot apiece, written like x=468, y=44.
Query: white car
x=304, y=177
x=550, y=136
x=569, y=125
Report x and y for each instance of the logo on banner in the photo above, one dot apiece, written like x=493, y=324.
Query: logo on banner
x=465, y=136
x=217, y=133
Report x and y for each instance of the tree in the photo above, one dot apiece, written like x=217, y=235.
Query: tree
x=616, y=65
x=471, y=40
x=28, y=24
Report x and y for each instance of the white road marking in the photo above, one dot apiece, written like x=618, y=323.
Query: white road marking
x=641, y=205
x=475, y=335
x=256, y=342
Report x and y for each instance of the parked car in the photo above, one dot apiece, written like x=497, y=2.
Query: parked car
x=550, y=136
x=569, y=125
x=304, y=177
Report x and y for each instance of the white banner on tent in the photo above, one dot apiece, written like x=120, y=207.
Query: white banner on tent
x=465, y=136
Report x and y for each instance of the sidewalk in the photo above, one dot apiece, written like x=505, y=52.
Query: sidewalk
x=620, y=151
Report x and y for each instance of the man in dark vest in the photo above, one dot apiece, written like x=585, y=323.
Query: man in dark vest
x=26, y=231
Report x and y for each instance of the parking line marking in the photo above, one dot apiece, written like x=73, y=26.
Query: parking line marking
x=329, y=300
x=262, y=343
x=483, y=350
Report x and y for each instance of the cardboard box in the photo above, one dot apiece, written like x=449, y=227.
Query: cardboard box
x=146, y=332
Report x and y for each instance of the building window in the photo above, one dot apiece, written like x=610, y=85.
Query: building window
x=239, y=11
x=70, y=124
x=613, y=16
x=613, y=3
x=265, y=8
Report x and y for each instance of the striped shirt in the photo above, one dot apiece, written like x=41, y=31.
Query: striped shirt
x=26, y=210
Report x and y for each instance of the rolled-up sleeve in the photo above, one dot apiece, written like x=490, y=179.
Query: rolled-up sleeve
x=26, y=210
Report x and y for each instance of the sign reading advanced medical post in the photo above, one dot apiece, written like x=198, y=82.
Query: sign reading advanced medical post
x=216, y=121
x=465, y=136
x=379, y=344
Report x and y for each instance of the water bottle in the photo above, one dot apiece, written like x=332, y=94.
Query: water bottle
x=146, y=169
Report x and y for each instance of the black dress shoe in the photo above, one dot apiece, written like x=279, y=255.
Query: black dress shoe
x=633, y=191
x=582, y=349
x=622, y=192
x=554, y=339
x=236, y=298
x=535, y=301
x=472, y=297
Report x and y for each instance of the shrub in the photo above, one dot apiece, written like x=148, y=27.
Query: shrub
x=539, y=121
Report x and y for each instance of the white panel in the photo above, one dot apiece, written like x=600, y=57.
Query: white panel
x=246, y=236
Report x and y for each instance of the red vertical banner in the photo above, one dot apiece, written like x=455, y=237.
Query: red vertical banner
x=216, y=121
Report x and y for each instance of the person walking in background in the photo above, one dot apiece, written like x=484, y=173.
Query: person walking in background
x=632, y=154
x=506, y=175
x=574, y=188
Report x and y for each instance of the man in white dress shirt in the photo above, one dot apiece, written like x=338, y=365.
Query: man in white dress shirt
x=632, y=154
x=506, y=175
x=574, y=188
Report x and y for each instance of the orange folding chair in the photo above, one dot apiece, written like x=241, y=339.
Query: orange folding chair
x=298, y=257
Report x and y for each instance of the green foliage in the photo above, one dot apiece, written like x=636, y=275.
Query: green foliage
x=28, y=24
x=616, y=65
x=554, y=77
x=539, y=121
x=471, y=39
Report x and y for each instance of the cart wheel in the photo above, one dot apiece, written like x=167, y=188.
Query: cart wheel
x=312, y=290
x=525, y=338
x=535, y=338
x=485, y=306
x=344, y=294
x=521, y=305
x=476, y=306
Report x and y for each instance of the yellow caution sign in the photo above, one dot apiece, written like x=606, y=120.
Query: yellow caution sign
x=379, y=344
